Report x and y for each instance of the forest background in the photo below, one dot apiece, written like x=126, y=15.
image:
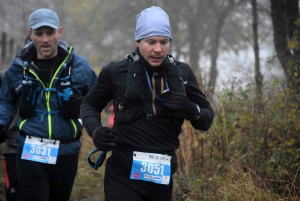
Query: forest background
x=245, y=54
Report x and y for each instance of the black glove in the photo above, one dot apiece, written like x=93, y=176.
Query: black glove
x=103, y=138
x=71, y=109
x=3, y=131
x=74, y=105
x=180, y=103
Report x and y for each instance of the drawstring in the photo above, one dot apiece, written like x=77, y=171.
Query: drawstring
x=44, y=112
x=65, y=78
x=42, y=93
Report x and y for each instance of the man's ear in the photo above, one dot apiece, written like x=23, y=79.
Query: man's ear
x=29, y=32
x=60, y=31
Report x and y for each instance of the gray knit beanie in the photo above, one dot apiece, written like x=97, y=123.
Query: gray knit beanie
x=152, y=21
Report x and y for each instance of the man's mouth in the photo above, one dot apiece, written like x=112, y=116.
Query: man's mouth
x=45, y=47
x=156, y=59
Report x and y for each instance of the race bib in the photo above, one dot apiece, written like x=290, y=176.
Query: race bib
x=151, y=167
x=40, y=150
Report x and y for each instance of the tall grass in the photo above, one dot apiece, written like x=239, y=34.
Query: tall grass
x=247, y=154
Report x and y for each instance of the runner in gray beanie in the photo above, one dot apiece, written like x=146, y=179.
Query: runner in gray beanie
x=152, y=21
x=152, y=94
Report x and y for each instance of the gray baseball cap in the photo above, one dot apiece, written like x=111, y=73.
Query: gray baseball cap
x=43, y=17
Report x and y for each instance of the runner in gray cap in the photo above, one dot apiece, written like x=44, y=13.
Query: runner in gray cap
x=48, y=81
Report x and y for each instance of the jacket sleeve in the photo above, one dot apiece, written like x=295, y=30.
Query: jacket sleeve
x=8, y=98
x=196, y=96
x=96, y=100
x=6, y=113
x=84, y=77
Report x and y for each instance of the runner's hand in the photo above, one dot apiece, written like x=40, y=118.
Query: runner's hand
x=74, y=106
x=180, y=103
x=103, y=138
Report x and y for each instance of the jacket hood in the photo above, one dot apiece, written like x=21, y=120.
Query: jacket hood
x=29, y=51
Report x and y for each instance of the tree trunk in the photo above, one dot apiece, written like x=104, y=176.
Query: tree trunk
x=258, y=76
x=215, y=42
x=284, y=14
x=194, y=49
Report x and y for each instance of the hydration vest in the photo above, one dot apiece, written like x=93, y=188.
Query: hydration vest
x=31, y=93
x=130, y=108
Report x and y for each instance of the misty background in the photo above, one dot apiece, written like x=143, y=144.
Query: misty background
x=245, y=54
x=213, y=36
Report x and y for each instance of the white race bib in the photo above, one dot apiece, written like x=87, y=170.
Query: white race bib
x=151, y=167
x=40, y=150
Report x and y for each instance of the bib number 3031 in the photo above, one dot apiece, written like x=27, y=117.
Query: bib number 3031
x=40, y=150
x=151, y=167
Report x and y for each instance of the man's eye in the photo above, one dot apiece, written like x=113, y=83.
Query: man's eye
x=49, y=33
x=151, y=42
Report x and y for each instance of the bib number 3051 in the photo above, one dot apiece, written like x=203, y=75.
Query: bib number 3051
x=40, y=150
x=151, y=167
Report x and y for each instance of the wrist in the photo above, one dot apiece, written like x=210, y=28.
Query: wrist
x=195, y=112
x=92, y=127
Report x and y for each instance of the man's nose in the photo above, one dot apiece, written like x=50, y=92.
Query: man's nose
x=157, y=47
x=45, y=38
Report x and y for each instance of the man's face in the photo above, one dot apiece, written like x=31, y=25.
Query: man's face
x=45, y=40
x=154, y=49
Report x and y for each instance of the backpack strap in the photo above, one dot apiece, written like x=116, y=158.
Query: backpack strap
x=66, y=74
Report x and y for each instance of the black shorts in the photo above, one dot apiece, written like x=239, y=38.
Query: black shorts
x=119, y=187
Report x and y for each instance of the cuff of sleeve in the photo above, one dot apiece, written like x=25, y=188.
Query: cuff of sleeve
x=91, y=127
x=195, y=114
x=199, y=112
